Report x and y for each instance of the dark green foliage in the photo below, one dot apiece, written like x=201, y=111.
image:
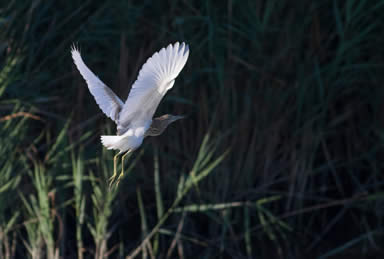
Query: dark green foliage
x=279, y=157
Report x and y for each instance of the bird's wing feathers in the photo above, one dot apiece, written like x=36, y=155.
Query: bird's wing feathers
x=155, y=78
x=107, y=100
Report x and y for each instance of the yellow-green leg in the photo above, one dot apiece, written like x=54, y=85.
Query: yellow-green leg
x=122, y=168
x=111, y=180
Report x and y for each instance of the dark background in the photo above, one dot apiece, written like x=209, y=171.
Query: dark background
x=281, y=155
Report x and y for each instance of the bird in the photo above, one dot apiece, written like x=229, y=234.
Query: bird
x=134, y=117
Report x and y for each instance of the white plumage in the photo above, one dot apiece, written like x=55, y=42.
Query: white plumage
x=155, y=78
x=107, y=100
x=134, y=117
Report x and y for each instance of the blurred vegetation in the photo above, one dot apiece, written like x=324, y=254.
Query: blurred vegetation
x=280, y=156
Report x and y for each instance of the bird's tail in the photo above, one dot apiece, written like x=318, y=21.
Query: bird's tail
x=110, y=142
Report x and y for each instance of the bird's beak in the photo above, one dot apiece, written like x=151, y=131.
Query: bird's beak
x=178, y=117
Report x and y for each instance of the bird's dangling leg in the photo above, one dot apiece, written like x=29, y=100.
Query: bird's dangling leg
x=112, y=178
x=122, y=168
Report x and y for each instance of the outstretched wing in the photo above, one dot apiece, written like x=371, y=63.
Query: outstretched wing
x=155, y=78
x=107, y=100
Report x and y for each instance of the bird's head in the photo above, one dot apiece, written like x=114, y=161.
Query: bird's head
x=159, y=124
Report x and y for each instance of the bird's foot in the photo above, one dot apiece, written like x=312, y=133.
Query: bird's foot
x=111, y=180
x=119, y=179
x=121, y=174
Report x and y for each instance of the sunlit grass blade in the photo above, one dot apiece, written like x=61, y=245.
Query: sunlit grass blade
x=78, y=183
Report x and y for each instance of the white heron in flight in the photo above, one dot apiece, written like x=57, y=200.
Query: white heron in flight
x=134, y=117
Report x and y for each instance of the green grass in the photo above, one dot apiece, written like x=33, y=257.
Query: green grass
x=279, y=157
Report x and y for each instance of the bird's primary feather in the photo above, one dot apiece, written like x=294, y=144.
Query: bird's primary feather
x=107, y=100
x=155, y=78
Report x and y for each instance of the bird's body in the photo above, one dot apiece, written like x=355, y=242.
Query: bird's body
x=134, y=116
x=130, y=140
